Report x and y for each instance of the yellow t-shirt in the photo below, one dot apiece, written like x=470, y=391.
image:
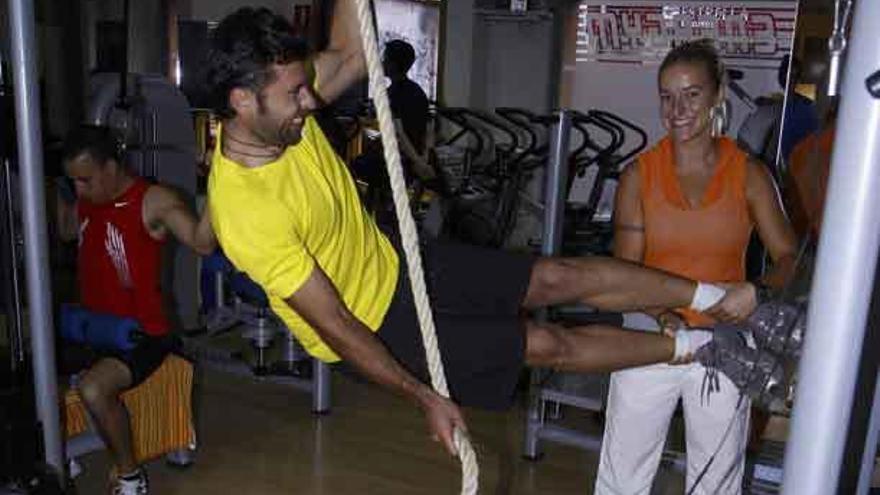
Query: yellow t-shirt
x=275, y=222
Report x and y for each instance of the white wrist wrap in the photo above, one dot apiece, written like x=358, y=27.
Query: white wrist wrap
x=682, y=344
x=688, y=341
x=706, y=296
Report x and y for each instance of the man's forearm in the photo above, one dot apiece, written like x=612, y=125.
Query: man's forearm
x=357, y=345
x=342, y=64
x=419, y=165
x=65, y=216
x=345, y=74
x=204, y=240
x=319, y=304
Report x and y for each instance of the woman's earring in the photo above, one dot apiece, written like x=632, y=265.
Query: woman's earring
x=718, y=119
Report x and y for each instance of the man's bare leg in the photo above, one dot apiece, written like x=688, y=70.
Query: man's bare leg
x=100, y=387
x=594, y=348
x=606, y=283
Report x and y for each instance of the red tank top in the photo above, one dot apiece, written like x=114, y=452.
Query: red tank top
x=707, y=242
x=119, y=261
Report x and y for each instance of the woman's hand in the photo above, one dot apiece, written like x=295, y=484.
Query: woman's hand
x=670, y=322
x=739, y=302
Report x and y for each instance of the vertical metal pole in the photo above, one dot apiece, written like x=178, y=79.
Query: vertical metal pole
x=219, y=291
x=843, y=281
x=780, y=163
x=15, y=320
x=30, y=152
x=123, y=71
x=555, y=178
x=554, y=186
x=320, y=387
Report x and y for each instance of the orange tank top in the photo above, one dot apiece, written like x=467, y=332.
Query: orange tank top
x=707, y=242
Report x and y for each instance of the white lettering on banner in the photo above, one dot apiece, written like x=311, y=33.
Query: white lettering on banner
x=755, y=34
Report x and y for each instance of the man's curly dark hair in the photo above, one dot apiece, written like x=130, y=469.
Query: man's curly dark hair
x=100, y=143
x=244, y=46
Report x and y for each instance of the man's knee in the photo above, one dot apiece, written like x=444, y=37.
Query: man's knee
x=92, y=391
x=102, y=383
x=545, y=345
x=555, y=278
x=550, y=273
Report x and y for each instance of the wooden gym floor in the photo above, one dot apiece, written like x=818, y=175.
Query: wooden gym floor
x=259, y=438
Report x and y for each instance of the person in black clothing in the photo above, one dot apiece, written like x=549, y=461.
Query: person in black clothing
x=409, y=104
x=410, y=109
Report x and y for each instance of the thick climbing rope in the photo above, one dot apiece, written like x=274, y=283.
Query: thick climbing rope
x=409, y=235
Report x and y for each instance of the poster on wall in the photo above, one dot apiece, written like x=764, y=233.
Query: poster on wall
x=747, y=34
x=418, y=23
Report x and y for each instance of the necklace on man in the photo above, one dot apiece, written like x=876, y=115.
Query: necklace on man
x=229, y=137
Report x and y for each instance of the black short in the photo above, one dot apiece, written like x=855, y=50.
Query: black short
x=476, y=295
x=141, y=361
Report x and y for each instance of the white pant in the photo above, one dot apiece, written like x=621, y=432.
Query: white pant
x=641, y=402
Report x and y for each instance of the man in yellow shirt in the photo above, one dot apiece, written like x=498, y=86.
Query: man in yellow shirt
x=285, y=211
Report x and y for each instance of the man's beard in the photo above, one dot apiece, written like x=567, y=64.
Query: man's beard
x=289, y=134
x=280, y=136
x=285, y=134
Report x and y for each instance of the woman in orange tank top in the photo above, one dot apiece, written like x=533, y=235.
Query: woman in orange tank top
x=688, y=206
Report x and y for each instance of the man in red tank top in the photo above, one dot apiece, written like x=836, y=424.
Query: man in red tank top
x=121, y=223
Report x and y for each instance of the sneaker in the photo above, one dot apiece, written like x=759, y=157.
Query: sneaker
x=758, y=373
x=135, y=483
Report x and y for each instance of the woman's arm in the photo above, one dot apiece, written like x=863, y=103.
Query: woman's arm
x=629, y=221
x=629, y=234
x=774, y=229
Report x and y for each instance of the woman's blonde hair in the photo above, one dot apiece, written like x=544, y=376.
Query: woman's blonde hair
x=701, y=52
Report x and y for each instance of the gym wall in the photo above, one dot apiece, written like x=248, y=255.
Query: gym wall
x=618, y=73
x=493, y=58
